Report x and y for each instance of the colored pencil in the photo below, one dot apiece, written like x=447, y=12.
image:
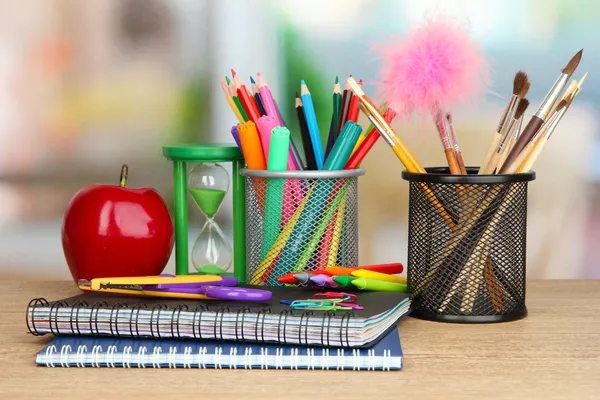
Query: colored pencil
x=358, y=156
x=309, y=152
x=242, y=92
x=267, y=98
x=294, y=160
x=256, y=94
x=311, y=121
x=335, y=116
x=231, y=103
x=353, y=107
x=253, y=102
x=344, y=107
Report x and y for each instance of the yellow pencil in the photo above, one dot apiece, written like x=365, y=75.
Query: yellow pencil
x=230, y=102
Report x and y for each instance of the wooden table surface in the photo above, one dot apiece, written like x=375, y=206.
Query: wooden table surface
x=552, y=354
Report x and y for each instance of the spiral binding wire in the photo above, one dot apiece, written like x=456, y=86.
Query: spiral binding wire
x=33, y=304
x=75, y=314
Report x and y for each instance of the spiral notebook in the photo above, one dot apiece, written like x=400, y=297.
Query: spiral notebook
x=71, y=351
x=104, y=314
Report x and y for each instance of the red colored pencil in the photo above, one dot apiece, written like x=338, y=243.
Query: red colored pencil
x=369, y=142
x=242, y=92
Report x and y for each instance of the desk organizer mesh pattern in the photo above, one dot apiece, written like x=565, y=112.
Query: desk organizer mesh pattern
x=299, y=221
x=467, y=245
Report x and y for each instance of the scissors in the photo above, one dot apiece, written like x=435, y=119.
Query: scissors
x=196, y=287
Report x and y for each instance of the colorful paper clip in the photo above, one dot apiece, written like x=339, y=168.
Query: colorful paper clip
x=327, y=301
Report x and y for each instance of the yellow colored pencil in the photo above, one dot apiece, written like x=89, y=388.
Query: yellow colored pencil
x=230, y=102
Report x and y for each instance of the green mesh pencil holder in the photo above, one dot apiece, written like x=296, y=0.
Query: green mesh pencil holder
x=467, y=240
x=299, y=221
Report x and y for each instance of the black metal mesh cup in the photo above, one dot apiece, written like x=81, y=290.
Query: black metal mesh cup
x=467, y=245
x=299, y=221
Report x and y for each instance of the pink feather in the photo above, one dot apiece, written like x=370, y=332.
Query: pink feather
x=438, y=66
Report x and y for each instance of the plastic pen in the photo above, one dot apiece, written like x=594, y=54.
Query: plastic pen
x=363, y=273
x=379, y=286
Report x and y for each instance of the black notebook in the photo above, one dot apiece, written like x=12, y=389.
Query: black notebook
x=105, y=314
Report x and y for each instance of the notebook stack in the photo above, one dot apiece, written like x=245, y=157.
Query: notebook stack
x=106, y=330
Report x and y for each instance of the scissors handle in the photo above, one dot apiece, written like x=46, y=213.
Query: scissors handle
x=237, y=293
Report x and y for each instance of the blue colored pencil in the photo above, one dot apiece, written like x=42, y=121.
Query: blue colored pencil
x=313, y=127
x=259, y=103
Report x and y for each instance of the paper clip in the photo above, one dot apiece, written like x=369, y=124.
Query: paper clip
x=341, y=298
x=317, y=304
x=346, y=297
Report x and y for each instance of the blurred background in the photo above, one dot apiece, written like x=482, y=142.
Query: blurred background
x=87, y=86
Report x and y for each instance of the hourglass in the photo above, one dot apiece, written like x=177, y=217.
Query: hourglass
x=180, y=156
x=208, y=184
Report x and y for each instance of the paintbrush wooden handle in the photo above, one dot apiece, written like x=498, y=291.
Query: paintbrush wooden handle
x=515, y=166
x=452, y=161
x=488, y=156
x=505, y=151
x=528, y=133
x=461, y=163
x=493, y=162
x=526, y=165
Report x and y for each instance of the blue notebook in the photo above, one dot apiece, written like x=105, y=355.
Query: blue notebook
x=72, y=351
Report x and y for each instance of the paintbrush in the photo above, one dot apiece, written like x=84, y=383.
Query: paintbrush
x=454, y=140
x=509, y=129
x=521, y=86
x=398, y=147
x=544, y=109
x=528, y=156
x=441, y=124
x=509, y=139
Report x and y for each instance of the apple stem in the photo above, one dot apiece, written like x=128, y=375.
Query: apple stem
x=124, y=170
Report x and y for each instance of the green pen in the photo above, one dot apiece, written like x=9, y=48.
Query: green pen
x=379, y=286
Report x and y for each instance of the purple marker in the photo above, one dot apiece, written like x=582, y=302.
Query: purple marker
x=236, y=137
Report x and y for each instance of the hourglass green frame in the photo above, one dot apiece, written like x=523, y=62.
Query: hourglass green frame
x=217, y=153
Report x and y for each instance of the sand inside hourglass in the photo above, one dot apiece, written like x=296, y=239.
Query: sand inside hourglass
x=209, y=200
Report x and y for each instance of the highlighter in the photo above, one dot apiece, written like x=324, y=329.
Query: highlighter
x=393, y=268
x=277, y=161
x=320, y=280
x=303, y=277
x=363, y=273
x=379, y=286
x=345, y=281
x=343, y=146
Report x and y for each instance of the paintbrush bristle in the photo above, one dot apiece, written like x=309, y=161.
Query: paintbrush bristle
x=521, y=108
x=521, y=84
x=573, y=63
x=364, y=109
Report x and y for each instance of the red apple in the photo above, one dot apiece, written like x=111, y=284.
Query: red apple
x=114, y=231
